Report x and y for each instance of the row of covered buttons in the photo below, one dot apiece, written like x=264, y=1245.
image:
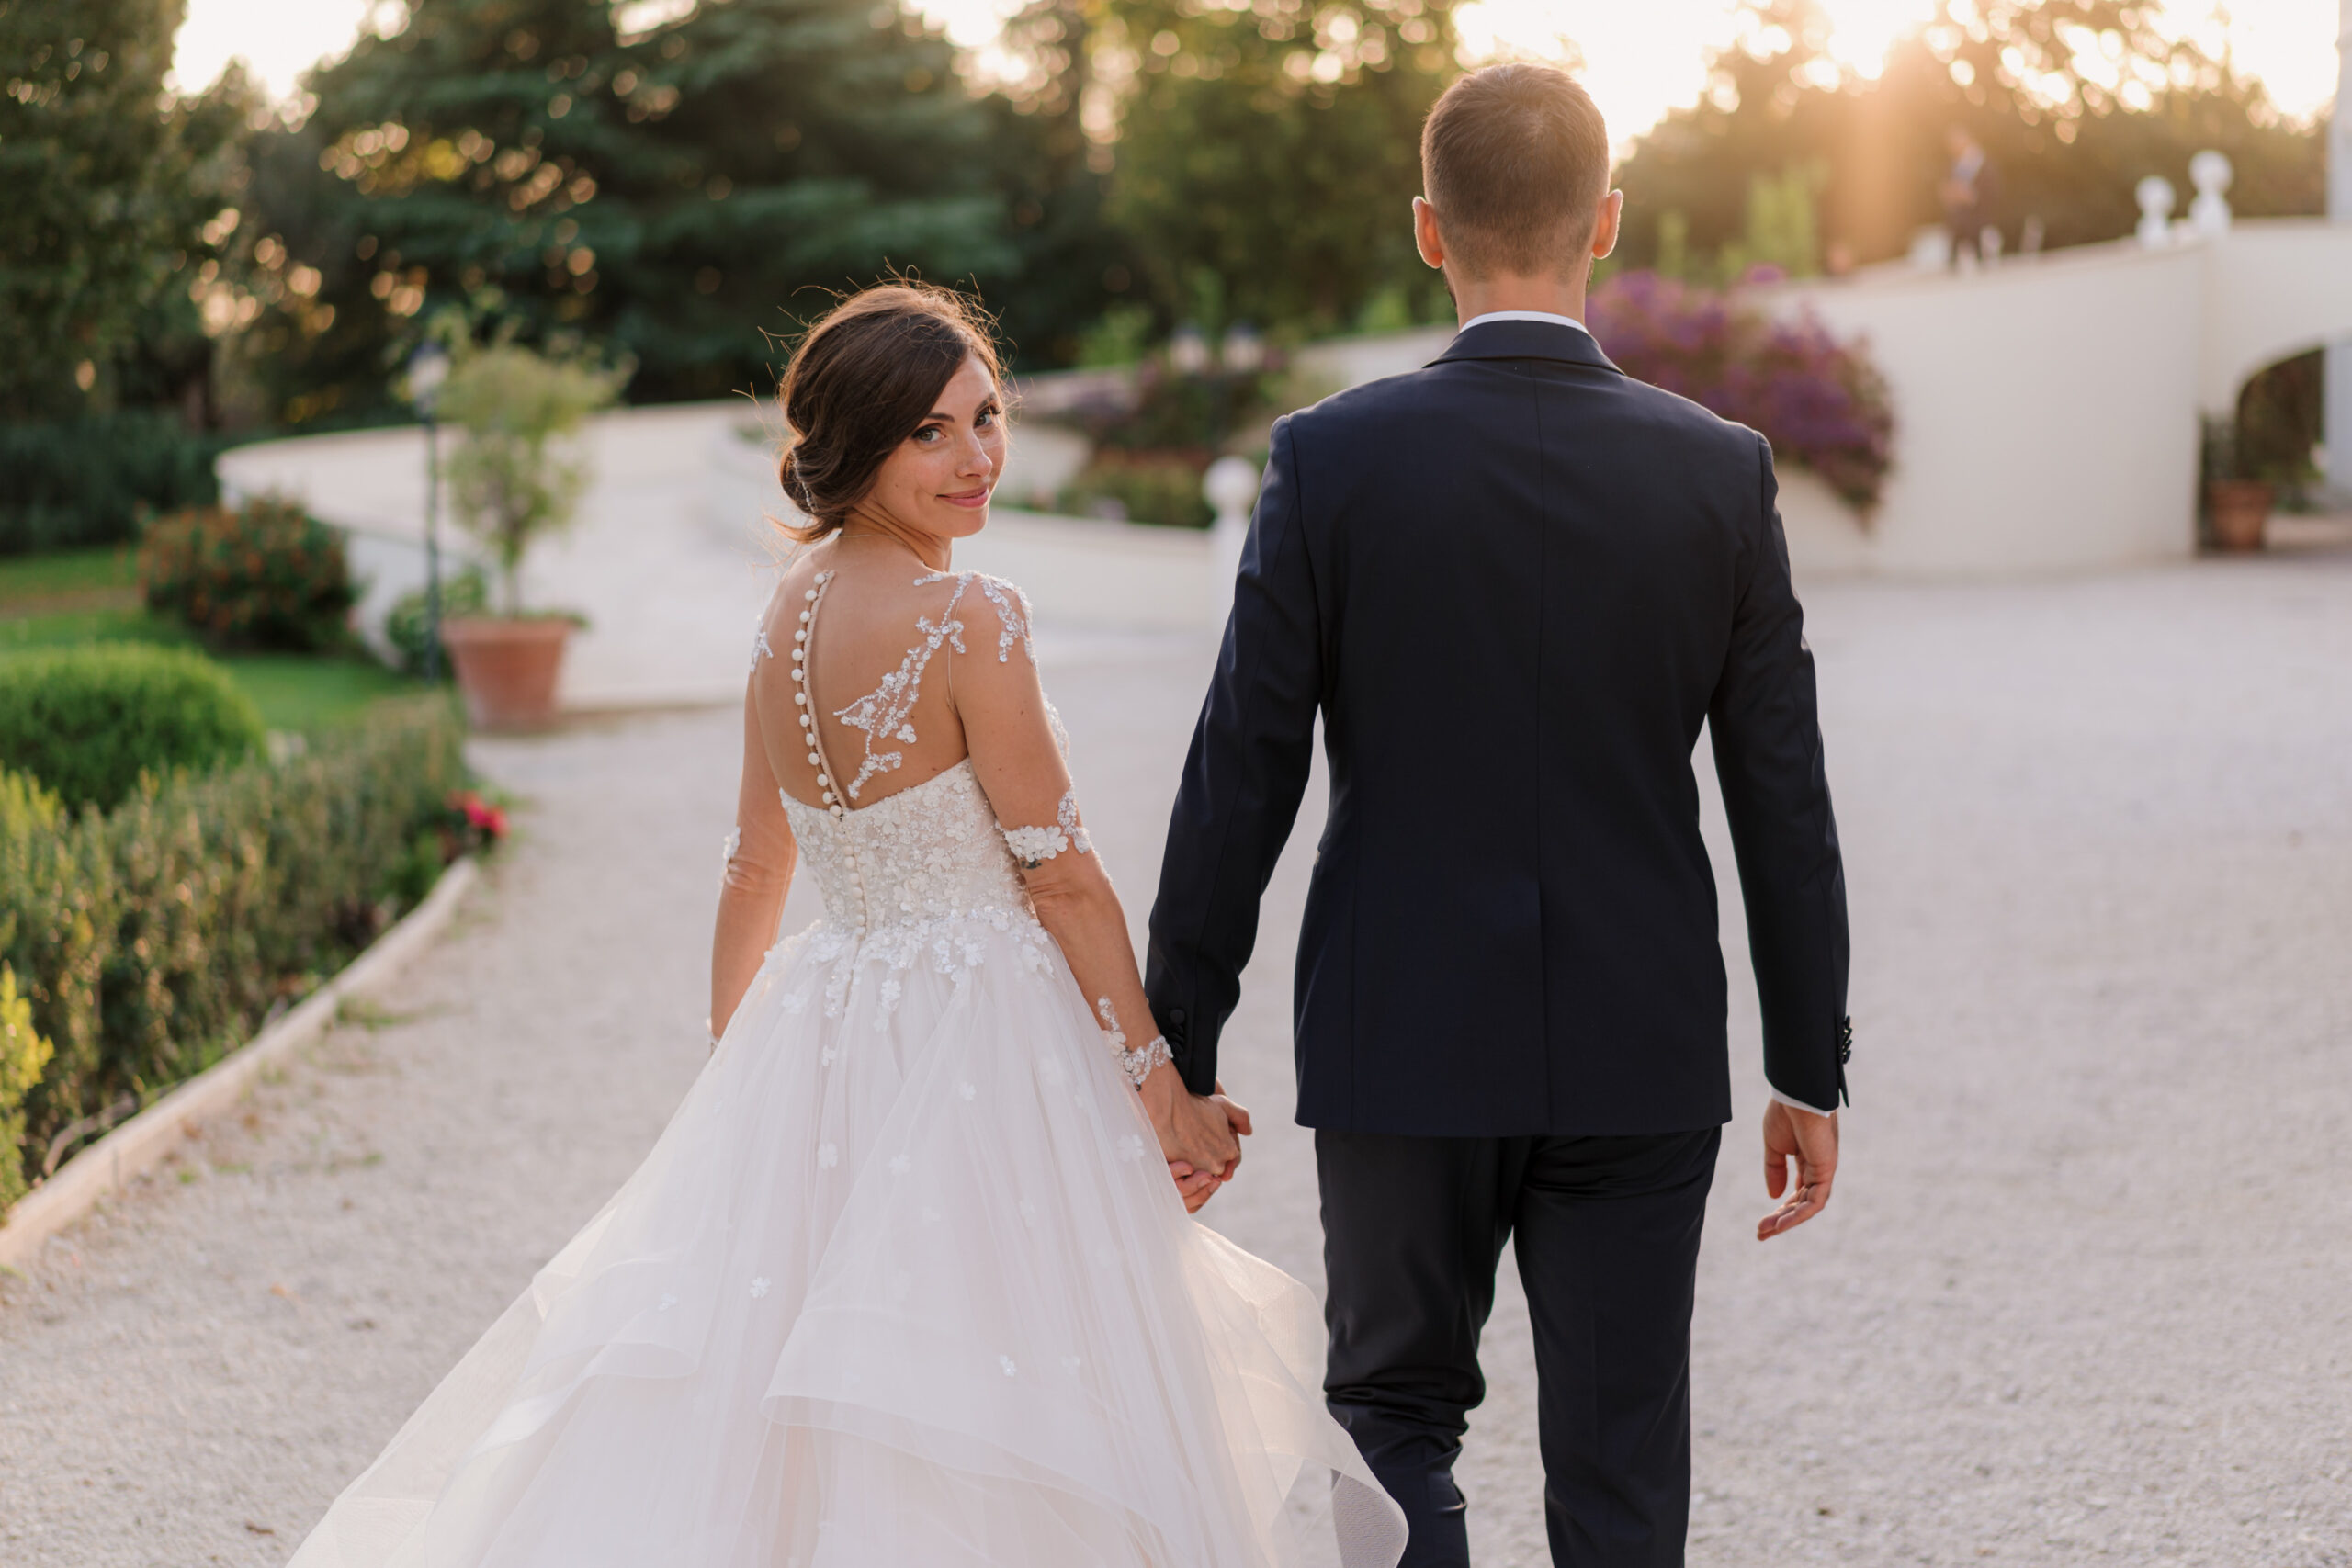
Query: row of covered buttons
x=816, y=597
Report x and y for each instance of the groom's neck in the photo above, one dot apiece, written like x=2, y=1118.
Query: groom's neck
x=1549, y=293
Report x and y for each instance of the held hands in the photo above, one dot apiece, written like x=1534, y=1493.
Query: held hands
x=1199, y=1134
x=1811, y=1143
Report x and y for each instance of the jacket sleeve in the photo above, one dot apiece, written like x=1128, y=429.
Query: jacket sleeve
x=1251, y=752
x=1766, y=726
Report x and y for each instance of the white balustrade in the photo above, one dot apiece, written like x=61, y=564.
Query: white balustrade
x=1231, y=488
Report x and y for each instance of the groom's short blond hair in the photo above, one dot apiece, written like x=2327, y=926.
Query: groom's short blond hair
x=1515, y=160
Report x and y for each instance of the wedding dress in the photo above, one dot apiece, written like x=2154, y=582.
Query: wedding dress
x=905, y=1283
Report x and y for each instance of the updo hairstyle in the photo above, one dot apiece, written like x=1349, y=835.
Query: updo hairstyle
x=863, y=380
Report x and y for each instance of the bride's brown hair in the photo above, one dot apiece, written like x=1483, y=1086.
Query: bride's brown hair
x=863, y=380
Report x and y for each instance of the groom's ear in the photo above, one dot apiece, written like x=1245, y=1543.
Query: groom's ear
x=1604, y=227
x=1426, y=238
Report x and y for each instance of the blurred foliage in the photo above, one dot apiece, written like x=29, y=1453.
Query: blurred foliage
x=466, y=594
x=1819, y=403
x=23, y=1055
x=2072, y=100
x=88, y=722
x=1159, y=487
x=114, y=190
x=1122, y=337
x=1267, y=153
x=153, y=939
x=266, y=574
x=1174, y=411
x=88, y=481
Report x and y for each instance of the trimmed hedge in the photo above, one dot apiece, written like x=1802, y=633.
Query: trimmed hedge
x=23, y=1053
x=265, y=575
x=86, y=722
x=153, y=939
x=88, y=482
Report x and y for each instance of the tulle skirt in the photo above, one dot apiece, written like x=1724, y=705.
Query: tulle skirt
x=904, y=1284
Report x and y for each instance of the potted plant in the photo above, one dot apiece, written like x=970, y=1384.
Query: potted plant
x=2237, y=506
x=513, y=479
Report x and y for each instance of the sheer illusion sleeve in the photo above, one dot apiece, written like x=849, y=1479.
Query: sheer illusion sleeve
x=759, y=858
x=1020, y=756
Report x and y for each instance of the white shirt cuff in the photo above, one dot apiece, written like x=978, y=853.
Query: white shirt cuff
x=1801, y=1105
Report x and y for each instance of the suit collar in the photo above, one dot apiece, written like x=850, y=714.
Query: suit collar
x=1525, y=339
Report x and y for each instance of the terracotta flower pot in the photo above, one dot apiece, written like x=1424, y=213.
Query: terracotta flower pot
x=2240, y=508
x=507, y=669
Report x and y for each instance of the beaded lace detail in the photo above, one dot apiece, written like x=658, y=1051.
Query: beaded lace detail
x=884, y=714
x=910, y=880
x=1033, y=847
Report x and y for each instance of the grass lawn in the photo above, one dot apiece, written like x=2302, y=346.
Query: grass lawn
x=80, y=597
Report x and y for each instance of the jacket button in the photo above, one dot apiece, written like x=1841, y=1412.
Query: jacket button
x=1176, y=1015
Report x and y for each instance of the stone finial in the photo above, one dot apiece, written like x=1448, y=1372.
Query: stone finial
x=1231, y=488
x=2155, y=194
x=2211, y=173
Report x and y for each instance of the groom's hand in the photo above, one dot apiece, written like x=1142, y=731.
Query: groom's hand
x=1193, y=1128
x=1809, y=1143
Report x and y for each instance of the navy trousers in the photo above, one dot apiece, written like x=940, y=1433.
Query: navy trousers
x=1607, y=1241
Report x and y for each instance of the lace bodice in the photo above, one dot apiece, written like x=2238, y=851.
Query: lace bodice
x=926, y=854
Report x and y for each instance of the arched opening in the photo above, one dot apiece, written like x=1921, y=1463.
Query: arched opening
x=2281, y=425
x=2275, y=437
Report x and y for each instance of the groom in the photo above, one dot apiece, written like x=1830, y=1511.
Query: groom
x=1514, y=583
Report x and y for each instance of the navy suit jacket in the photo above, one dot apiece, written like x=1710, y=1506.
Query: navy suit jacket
x=1514, y=583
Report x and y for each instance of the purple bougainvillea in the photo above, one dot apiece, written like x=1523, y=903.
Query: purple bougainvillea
x=1819, y=403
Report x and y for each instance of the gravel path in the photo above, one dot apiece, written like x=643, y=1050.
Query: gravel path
x=2083, y=1293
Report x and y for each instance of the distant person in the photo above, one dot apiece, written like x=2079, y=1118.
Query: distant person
x=1512, y=585
x=1969, y=190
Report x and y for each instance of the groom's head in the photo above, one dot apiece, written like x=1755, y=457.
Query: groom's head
x=1515, y=174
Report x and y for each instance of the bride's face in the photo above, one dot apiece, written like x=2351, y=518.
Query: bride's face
x=940, y=478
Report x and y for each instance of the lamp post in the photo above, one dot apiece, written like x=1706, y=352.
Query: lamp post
x=427, y=368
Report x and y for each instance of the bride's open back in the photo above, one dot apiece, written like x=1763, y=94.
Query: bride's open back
x=905, y=1283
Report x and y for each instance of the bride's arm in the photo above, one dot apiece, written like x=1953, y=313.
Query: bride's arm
x=1015, y=755
x=760, y=857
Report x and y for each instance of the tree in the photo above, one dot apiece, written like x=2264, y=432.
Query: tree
x=111, y=183
x=2072, y=100
x=1267, y=153
x=681, y=195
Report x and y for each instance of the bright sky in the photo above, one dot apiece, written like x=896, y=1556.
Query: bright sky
x=1639, y=59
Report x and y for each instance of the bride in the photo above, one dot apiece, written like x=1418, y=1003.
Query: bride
x=906, y=1282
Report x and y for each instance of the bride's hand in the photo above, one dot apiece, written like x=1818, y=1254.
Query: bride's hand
x=1193, y=1186
x=1197, y=1187
x=1197, y=1130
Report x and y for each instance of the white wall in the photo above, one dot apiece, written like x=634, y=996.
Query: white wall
x=2045, y=413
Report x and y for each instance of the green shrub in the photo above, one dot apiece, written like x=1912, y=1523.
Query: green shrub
x=57, y=903
x=1142, y=487
x=153, y=939
x=88, y=482
x=87, y=721
x=466, y=593
x=264, y=575
x=23, y=1055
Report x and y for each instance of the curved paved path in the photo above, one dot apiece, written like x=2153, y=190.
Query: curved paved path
x=2084, y=1294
